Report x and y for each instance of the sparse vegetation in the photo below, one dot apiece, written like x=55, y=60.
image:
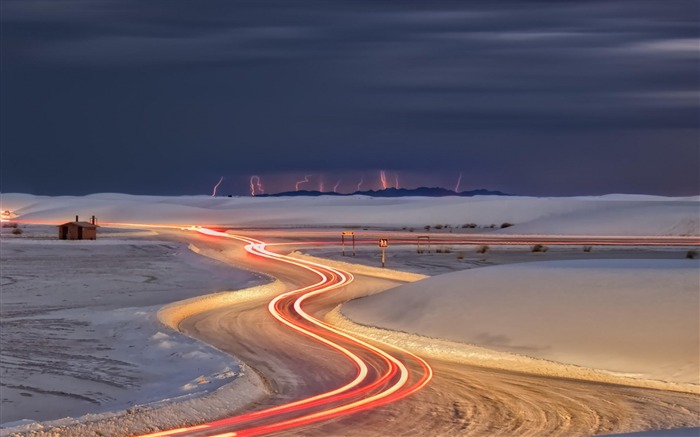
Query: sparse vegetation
x=692, y=254
x=469, y=226
x=587, y=248
x=443, y=249
x=427, y=228
x=460, y=255
x=482, y=249
x=506, y=225
x=539, y=248
x=9, y=225
x=16, y=231
x=438, y=226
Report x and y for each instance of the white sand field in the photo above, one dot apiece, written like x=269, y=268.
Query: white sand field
x=634, y=317
x=79, y=327
x=80, y=334
x=606, y=215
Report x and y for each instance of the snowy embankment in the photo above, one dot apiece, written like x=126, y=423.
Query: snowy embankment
x=630, y=318
x=605, y=215
x=81, y=337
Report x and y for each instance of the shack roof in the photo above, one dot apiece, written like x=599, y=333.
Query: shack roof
x=79, y=224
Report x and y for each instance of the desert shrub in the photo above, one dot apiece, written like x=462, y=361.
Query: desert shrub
x=469, y=226
x=443, y=249
x=411, y=229
x=438, y=226
x=9, y=225
x=506, y=225
x=482, y=249
x=460, y=255
x=426, y=227
x=587, y=248
x=539, y=248
x=692, y=254
x=17, y=231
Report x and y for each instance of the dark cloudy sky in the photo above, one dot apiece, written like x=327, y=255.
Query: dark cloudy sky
x=529, y=97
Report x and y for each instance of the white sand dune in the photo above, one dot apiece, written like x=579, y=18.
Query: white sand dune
x=634, y=317
x=606, y=215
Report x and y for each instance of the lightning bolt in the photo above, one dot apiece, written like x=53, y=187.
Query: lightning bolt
x=306, y=179
x=382, y=177
x=396, y=177
x=459, y=181
x=256, y=183
x=359, y=184
x=213, y=194
x=335, y=187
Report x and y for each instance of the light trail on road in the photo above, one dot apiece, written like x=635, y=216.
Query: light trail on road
x=380, y=377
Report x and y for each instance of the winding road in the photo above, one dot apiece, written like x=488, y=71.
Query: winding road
x=325, y=382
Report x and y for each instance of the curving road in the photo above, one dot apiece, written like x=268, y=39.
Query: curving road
x=326, y=383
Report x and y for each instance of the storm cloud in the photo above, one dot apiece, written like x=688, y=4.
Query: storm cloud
x=529, y=97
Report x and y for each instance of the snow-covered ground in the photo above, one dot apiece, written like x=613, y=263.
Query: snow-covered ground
x=605, y=215
x=79, y=328
x=633, y=317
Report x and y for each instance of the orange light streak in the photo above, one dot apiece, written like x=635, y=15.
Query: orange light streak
x=382, y=178
x=361, y=393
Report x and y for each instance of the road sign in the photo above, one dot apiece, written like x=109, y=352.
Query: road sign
x=383, y=243
x=342, y=239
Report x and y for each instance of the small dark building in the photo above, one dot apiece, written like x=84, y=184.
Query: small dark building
x=78, y=230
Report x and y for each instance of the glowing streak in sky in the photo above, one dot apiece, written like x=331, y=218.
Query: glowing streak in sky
x=396, y=176
x=382, y=177
x=335, y=187
x=320, y=186
x=359, y=184
x=256, y=183
x=213, y=194
x=459, y=181
x=306, y=179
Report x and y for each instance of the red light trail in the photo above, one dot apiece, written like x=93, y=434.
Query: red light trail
x=387, y=379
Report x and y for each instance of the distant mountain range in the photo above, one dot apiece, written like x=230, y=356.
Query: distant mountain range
x=392, y=192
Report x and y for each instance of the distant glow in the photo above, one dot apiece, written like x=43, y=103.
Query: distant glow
x=256, y=183
x=335, y=187
x=213, y=194
x=382, y=177
x=320, y=185
x=396, y=178
x=298, y=183
x=359, y=184
x=459, y=181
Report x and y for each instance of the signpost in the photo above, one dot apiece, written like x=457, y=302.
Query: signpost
x=342, y=238
x=383, y=243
